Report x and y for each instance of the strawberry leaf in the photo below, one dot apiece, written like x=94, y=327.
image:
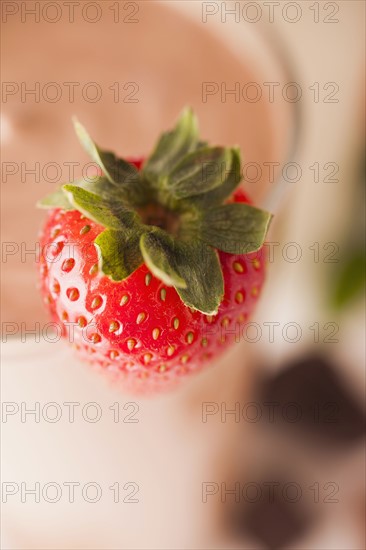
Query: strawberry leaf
x=191, y=267
x=199, y=172
x=222, y=192
x=58, y=199
x=234, y=228
x=172, y=147
x=119, y=253
x=98, y=185
x=199, y=265
x=105, y=211
x=158, y=251
x=115, y=169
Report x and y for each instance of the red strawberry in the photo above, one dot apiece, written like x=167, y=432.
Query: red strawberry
x=129, y=266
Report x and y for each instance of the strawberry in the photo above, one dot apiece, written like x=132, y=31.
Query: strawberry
x=151, y=268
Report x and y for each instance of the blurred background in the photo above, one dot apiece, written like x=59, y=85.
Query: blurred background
x=265, y=449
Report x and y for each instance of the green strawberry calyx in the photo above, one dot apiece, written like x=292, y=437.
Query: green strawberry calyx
x=171, y=215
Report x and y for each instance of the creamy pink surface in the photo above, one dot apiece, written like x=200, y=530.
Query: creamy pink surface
x=170, y=451
x=167, y=58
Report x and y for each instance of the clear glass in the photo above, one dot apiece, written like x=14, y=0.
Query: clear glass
x=145, y=72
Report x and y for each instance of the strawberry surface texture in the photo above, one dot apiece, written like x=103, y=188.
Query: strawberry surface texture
x=153, y=267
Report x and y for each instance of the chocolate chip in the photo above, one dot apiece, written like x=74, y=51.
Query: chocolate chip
x=275, y=521
x=310, y=396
